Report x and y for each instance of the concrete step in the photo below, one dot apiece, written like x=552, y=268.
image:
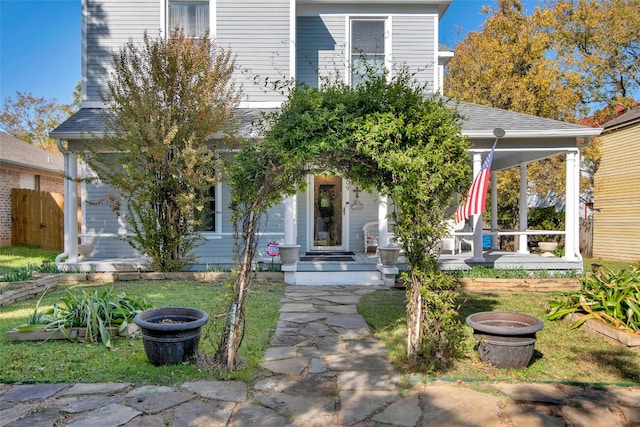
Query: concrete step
x=335, y=278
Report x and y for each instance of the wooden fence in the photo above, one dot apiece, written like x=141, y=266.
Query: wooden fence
x=586, y=237
x=37, y=219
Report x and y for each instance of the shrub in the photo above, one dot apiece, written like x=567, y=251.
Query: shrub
x=613, y=297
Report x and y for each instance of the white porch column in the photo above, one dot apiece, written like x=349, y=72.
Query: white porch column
x=72, y=212
x=524, y=218
x=571, y=219
x=476, y=220
x=290, y=220
x=494, y=210
x=383, y=225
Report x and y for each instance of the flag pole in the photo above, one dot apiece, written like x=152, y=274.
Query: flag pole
x=476, y=221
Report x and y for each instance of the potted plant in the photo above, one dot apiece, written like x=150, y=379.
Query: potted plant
x=170, y=334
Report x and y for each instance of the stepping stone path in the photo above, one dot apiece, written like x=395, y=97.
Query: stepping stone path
x=324, y=368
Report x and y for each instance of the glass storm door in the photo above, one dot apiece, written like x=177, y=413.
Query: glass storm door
x=328, y=221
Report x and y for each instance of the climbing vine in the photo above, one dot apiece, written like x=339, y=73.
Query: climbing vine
x=384, y=134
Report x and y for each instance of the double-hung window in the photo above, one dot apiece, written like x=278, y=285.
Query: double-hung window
x=211, y=214
x=190, y=15
x=367, y=48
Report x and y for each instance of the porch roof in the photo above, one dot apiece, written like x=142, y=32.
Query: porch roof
x=527, y=137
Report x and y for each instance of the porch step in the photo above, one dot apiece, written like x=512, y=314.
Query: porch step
x=362, y=277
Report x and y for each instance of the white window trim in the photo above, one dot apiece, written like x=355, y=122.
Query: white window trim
x=388, y=42
x=217, y=217
x=164, y=18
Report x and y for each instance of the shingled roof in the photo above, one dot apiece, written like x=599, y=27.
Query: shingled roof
x=626, y=119
x=478, y=122
x=16, y=152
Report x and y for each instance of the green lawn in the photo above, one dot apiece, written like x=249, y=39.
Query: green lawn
x=561, y=354
x=64, y=361
x=15, y=258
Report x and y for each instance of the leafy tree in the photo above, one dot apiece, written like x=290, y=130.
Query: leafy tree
x=31, y=118
x=384, y=135
x=600, y=41
x=507, y=66
x=167, y=98
x=551, y=64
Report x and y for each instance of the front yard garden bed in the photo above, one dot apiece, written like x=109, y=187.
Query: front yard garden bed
x=519, y=285
x=72, y=334
x=599, y=328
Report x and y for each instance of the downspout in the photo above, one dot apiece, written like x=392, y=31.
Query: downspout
x=66, y=204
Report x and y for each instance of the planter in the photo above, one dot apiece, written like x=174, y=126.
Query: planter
x=389, y=256
x=289, y=254
x=547, y=248
x=505, y=339
x=517, y=285
x=170, y=334
x=85, y=250
x=72, y=334
x=599, y=328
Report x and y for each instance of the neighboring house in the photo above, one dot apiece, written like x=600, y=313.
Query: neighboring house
x=23, y=165
x=308, y=40
x=616, y=204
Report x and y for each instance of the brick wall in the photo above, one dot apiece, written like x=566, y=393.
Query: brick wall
x=51, y=184
x=8, y=179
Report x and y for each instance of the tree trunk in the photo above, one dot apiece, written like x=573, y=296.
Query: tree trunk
x=414, y=319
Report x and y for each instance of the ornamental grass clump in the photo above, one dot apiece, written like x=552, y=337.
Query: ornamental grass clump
x=612, y=297
x=96, y=311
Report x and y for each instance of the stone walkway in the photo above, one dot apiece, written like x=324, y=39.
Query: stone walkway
x=323, y=369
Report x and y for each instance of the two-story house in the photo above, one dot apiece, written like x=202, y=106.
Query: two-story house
x=307, y=40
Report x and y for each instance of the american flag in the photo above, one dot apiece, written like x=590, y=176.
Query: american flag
x=475, y=201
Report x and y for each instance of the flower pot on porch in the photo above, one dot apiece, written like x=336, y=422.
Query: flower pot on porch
x=505, y=339
x=170, y=334
x=389, y=256
x=84, y=250
x=289, y=254
x=547, y=248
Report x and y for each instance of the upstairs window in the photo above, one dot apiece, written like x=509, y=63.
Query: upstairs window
x=190, y=15
x=367, y=48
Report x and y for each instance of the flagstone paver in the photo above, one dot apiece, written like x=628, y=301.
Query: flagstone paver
x=231, y=391
x=323, y=368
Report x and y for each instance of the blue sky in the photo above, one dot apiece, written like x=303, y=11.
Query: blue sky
x=40, y=43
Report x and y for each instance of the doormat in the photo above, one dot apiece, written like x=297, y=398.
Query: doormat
x=327, y=258
x=322, y=253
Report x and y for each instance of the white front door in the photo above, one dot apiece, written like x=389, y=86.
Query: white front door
x=328, y=220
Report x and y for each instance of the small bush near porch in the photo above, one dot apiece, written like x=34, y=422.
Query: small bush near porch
x=64, y=361
x=561, y=354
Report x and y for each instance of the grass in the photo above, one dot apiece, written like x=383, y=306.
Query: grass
x=610, y=264
x=64, y=361
x=561, y=354
x=16, y=258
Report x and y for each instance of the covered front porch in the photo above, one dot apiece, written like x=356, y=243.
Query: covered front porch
x=363, y=269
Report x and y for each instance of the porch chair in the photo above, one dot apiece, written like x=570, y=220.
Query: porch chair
x=451, y=242
x=370, y=233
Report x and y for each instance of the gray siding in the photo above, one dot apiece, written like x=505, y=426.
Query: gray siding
x=100, y=220
x=320, y=48
x=322, y=39
x=413, y=44
x=258, y=35
x=109, y=25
